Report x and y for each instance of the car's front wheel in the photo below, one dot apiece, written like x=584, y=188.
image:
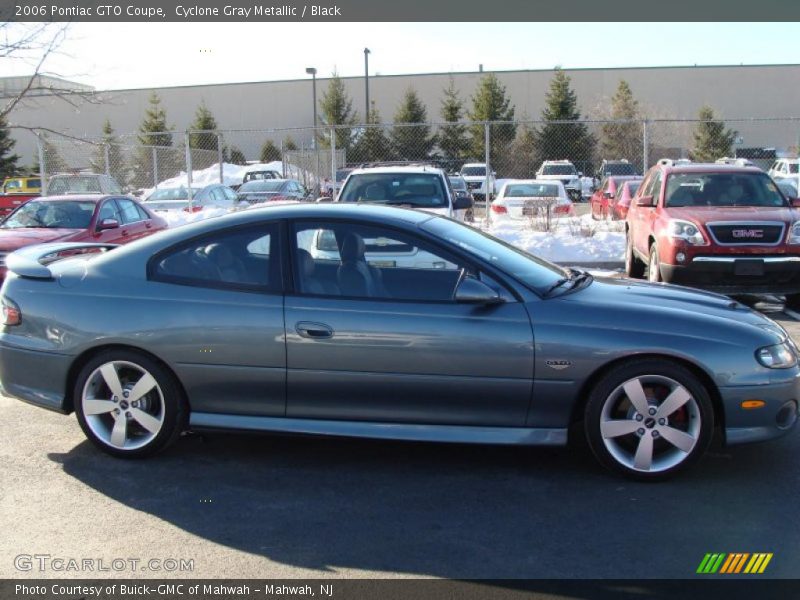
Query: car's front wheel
x=128, y=404
x=649, y=419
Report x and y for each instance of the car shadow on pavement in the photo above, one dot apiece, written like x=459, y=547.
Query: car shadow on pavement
x=450, y=510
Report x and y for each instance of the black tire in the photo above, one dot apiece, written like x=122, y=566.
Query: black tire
x=633, y=266
x=655, y=373
x=653, y=268
x=165, y=402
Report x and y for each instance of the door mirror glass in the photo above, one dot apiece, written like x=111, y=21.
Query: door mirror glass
x=472, y=291
x=462, y=202
x=108, y=224
x=646, y=201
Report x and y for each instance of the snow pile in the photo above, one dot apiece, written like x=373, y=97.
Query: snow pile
x=572, y=240
x=231, y=174
x=176, y=218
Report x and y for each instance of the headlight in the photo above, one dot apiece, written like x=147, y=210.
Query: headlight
x=685, y=230
x=779, y=356
x=794, y=233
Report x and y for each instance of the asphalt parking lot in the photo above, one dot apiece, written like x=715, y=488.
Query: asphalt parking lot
x=270, y=506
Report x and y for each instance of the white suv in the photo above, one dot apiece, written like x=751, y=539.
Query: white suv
x=475, y=176
x=785, y=168
x=565, y=172
x=422, y=187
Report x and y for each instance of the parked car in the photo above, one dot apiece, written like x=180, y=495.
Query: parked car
x=262, y=174
x=237, y=328
x=604, y=199
x=789, y=188
x=739, y=162
x=475, y=176
x=623, y=198
x=528, y=198
x=182, y=198
x=565, y=172
x=718, y=227
x=17, y=191
x=82, y=183
x=269, y=190
x=618, y=168
x=461, y=190
x=423, y=187
x=341, y=175
x=785, y=168
x=91, y=218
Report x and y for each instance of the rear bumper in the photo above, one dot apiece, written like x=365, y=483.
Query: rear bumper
x=775, y=419
x=34, y=376
x=738, y=274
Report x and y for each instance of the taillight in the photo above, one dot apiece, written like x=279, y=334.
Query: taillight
x=192, y=209
x=11, y=313
x=499, y=209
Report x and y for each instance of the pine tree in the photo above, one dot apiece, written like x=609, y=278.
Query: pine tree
x=8, y=159
x=491, y=104
x=373, y=145
x=711, y=139
x=269, y=152
x=452, y=137
x=110, y=147
x=289, y=145
x=558, y=140
x=154, y=131
x=337, y=109
x=206, y=144
x=520, y=159
x=234, y=155
x=416, y=142
x=623, y=140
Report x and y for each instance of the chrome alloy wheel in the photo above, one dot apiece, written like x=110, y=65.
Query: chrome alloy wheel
x=650, y=423
x=123, y=405
x=653, y=273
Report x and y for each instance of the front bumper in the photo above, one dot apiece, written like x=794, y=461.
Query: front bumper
x=738, y=274
x=776, y=418
x=36, y=377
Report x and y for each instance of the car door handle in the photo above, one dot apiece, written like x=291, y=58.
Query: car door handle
x=148, y=224
x=124, y=232
x=314, y=331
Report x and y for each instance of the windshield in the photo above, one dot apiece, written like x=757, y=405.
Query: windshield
x=412, y=189
x=473, y=171
x=535, y=190
x=60, y=214
x=263, y=185
x=536, y=273
x=722, y=189
x=171, y=194
x=75, y=184
x=619, y=169
x=458, y=183
x=558, y=170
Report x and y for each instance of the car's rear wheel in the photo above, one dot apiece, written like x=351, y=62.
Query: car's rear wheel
x=649, y=419
x=127, y=404
x=653, y=266
x=633, y=266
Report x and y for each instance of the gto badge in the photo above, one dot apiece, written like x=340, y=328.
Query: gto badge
x=558, y=365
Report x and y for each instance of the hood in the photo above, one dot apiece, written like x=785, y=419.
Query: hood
x=13, y=239
x=704, y=214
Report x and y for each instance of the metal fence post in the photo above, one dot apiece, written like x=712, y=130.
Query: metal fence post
x=220, y=158
x=283, y=162
x=106, y=158
x=488, y=180
x=188, y=168
x=333, y=161
x=645, y=144
x=155, y=167
x=42, y=167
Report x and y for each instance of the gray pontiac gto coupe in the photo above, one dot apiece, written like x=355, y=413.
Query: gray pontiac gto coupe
x=382, y=322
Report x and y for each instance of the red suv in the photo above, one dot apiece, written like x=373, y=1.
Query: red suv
x=718, y=227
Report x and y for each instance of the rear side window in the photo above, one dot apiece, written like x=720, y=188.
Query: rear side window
x=240, y=259
x=128, y=210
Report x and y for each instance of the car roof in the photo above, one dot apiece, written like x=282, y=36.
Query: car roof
x=398, y=169
x=708, y=168
x=81, y=197
x=563, y=161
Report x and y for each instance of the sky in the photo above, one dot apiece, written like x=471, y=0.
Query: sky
x=141, y=55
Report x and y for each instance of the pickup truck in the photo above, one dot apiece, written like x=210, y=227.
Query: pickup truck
x=17, y=191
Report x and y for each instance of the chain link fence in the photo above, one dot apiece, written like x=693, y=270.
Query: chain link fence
x=314, y=155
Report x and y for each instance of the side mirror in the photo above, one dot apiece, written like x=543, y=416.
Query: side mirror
x=646, y=201
x=462, y=203
x=108, y=224
x=473, y=291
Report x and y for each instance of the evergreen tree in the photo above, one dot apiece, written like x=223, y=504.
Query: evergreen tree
x=557, y=139
x=412, y=143
x=491, y=104
x=711, y=139
x=205, y=144
x=269, y=152
x=623, y=140
x=8, y=159
x=154, y=131
x=520, y=159
x=373, y=145
x=452, y=137
x=289, y=145
x=337, y=109
x=234, y=155
x=116, y=166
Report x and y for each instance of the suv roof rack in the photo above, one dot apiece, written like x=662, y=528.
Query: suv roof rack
x=669, y=162
x=398, y=163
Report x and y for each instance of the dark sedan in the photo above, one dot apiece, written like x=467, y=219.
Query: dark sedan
x=239, y=323
x=271, y=190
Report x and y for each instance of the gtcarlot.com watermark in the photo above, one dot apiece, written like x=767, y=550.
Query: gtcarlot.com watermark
x=61, y=564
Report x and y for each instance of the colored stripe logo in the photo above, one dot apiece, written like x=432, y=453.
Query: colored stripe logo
x=737, y=562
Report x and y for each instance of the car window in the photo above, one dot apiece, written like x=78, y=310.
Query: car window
x=424, y=190
x=56, y=214
x=142, y=213
x=230, y=194
x=722, y=189
x=793, y=168
x=128, y=211
x=361, y=261
x=527, y=190
x=244, y=259
x=109, y=210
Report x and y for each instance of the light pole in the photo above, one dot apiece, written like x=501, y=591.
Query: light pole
x=366, y=82
x=313, y=72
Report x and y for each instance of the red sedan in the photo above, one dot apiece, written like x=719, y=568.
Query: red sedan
x=101, y=219
x=604, y=198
